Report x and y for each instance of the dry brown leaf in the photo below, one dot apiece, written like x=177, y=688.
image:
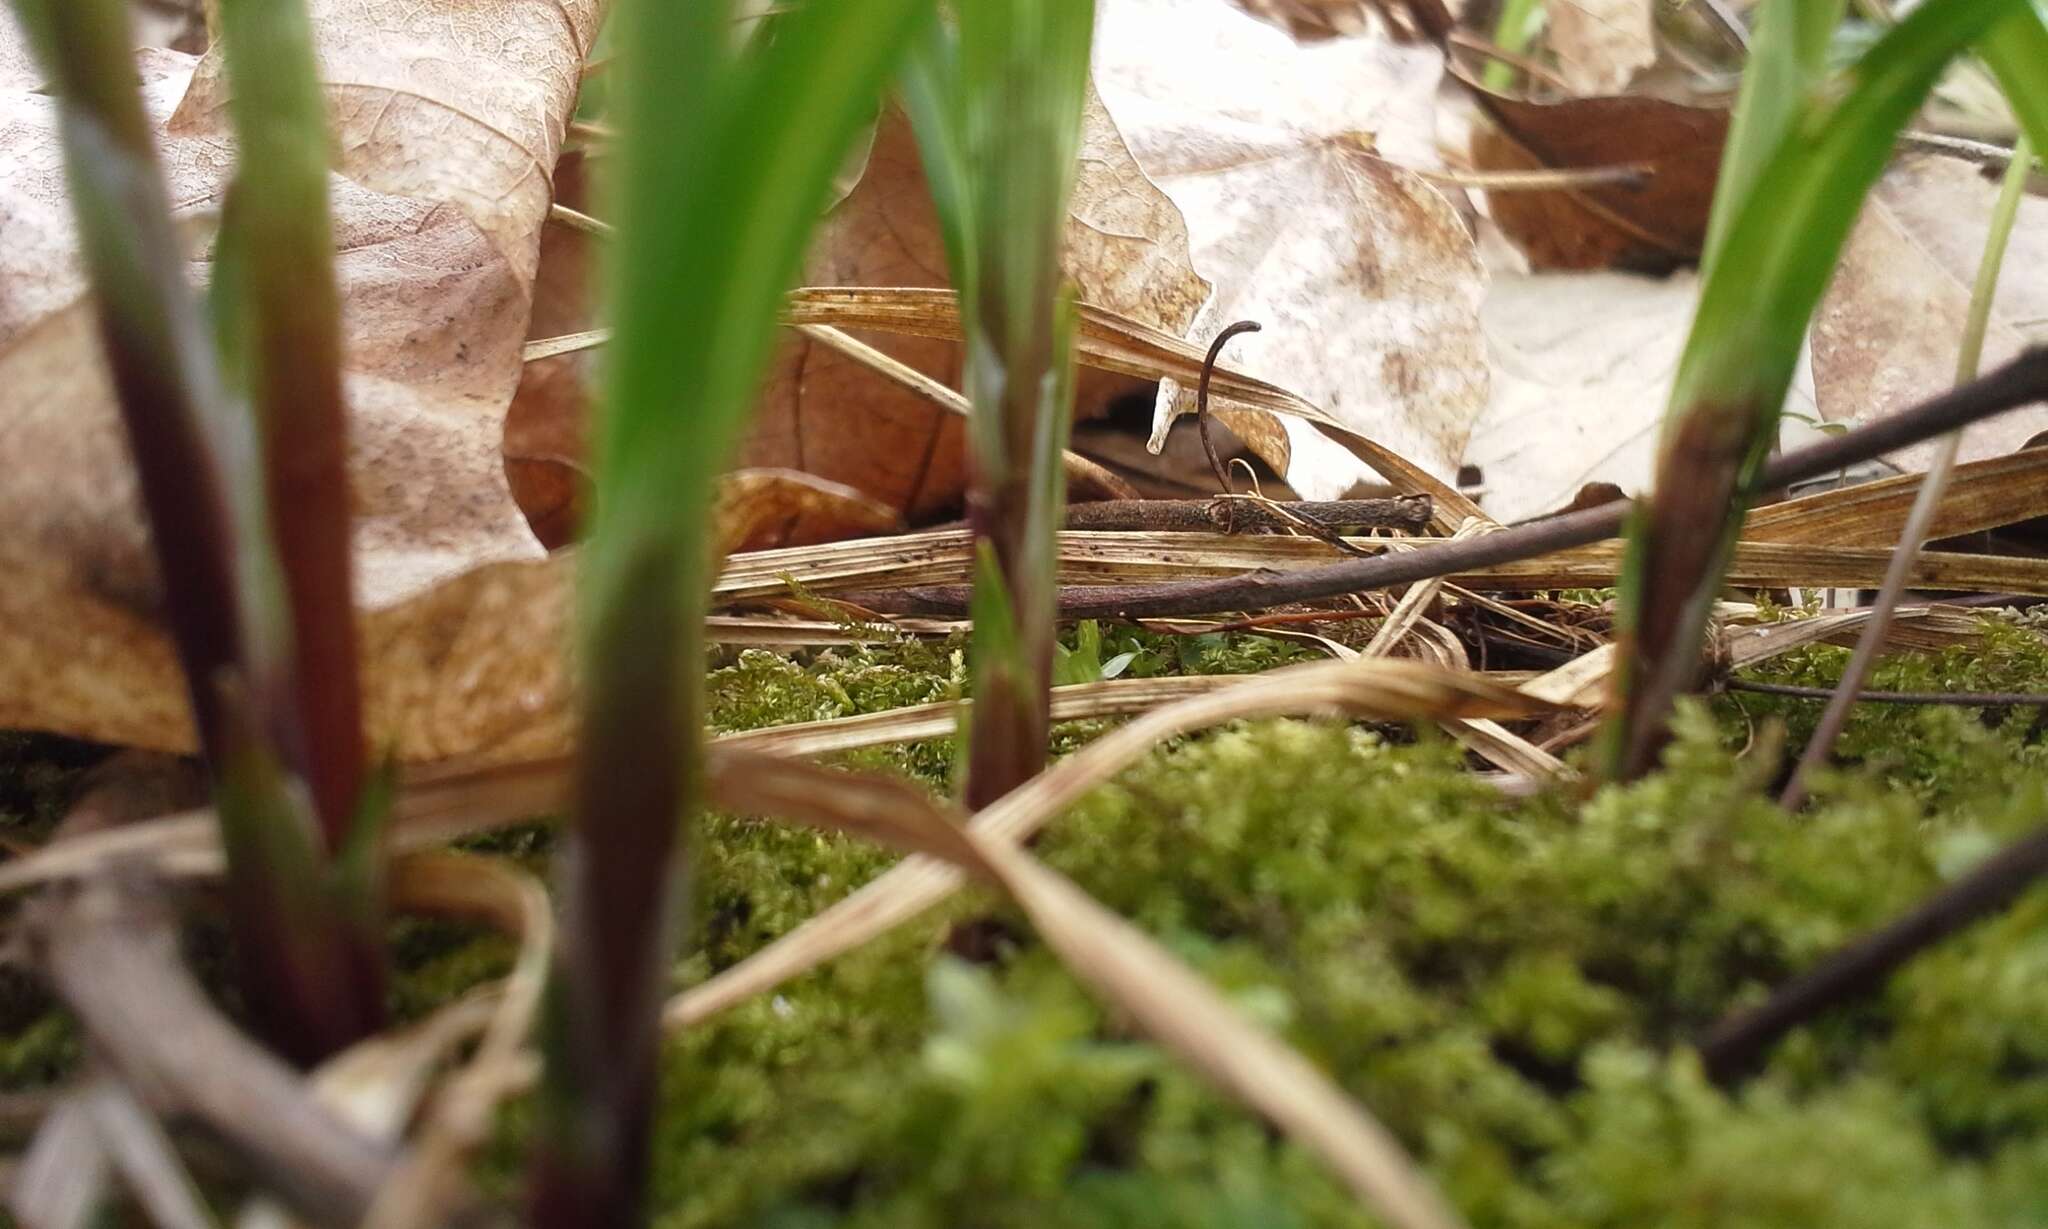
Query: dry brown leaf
x=1113, y=343
x=827, y=414
x=464, y=105
x=762, y=508
x=1311, y=19
x=544, y=442
x=1887, y=332
x=1107, y=342
x=1652, y=229
x=1363, y=276
x=1600, y=43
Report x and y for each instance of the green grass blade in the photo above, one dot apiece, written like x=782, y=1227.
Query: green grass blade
x=292, y=349
x=1775, y=258
x=1518, y=23
x=165, y=378
x=1787, y=66
x=2016, y=49
x=724, y=165
x=995, y=95
x=194, y=452
x=280, y=320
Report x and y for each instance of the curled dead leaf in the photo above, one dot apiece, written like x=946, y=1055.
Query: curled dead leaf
x=825, y=412
x=448, y=156
x=761, y=508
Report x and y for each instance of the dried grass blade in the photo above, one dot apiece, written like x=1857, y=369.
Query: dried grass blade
x=1100, y=557
x=1079, y=468
x=143, y=1155
x=1126, y=967
x=58, y=1182
x=1107, y=342
x=1377, y=689
x=430, y=1177
x=1981, y=495
x=1915, y=626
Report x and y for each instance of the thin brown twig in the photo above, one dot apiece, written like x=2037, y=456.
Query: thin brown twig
x=1529, y=65
x=2020, y=382
x=1219, y=515
x=1736, y=1046
x=1202, y=398
x=1965, y=699
x=1549, y=179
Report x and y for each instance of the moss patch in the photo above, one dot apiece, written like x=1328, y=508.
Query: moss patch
x=1510, y=984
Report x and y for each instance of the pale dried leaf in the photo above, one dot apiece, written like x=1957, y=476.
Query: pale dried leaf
x=1601, y=43
x=1887, y=332
x=485, y=87
x=1361, y=273
x=18, y=69
x=1582, y=370
x=434, y=295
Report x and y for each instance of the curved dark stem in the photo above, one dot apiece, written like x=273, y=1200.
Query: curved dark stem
x=1738, y=1044
x=1967, y=699
x=1202, y=400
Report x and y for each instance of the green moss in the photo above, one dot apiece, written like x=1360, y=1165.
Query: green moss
x=1510, y=984
x=41, y=1053
x=38, y=775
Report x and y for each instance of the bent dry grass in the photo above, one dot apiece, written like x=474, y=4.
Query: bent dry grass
x=1453, y=957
